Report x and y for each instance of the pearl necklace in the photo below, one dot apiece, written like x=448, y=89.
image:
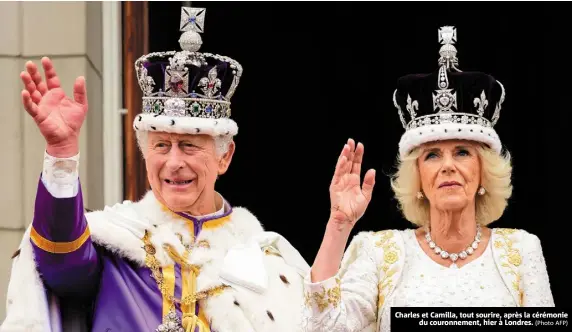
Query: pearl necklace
x=454, y=256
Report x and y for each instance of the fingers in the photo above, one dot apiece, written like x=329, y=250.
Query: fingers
x=350, y=155
x=79, y=91
x=368, y=184
x=52, y=79
x=29, y=105
x=36, y=77
x=31, y=87
x=352, y=144
x=346, y=152
x=352, y=160
x=340, y=167
x=358, y=157
x=341, y=164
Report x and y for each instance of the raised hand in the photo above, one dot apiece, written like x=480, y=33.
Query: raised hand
x=348, y=198
x=58, y=117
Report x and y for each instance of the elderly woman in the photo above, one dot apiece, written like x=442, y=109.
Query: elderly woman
x=181, y=259
x=452, y=181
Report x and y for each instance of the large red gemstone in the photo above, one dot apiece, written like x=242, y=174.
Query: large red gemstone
x=176, y=86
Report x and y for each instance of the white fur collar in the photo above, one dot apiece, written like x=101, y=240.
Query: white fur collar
x=120, y=229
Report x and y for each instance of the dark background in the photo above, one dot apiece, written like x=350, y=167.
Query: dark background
x=316, y=74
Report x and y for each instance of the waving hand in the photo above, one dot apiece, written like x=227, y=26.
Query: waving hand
x=349, y=199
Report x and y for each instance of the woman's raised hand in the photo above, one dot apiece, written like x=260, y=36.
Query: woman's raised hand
x=349, y=199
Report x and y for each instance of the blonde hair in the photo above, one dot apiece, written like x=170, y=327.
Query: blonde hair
x=496, y=171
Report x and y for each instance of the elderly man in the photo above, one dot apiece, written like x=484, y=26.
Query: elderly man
x=181, y=258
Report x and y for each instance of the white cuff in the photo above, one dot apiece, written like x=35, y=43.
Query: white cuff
x=60, y=176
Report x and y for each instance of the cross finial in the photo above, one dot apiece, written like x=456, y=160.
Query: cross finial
x=193, y=19
x=448, y=52
x=447, y=35
x=192, y=23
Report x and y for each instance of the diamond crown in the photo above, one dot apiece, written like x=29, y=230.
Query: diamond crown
x=445, y=98
x=188, y=82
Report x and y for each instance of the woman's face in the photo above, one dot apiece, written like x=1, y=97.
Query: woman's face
x=450, y=173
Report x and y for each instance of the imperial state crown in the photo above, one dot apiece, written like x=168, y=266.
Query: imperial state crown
x=187, y=91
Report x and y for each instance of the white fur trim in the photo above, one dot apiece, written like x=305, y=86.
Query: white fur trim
x=27, y=307
x=446, y=131
x=185, y=125
x=119, y=229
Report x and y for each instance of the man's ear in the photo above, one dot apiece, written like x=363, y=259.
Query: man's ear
x=225, y=160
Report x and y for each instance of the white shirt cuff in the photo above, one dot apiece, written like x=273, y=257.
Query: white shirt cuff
x=60, y=176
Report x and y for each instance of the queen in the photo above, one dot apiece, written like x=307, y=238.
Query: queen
x=453, y=181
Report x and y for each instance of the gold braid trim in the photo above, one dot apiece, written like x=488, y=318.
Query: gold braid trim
x=181, y=260
x=58, y=247
x=190, y=320
x=169, y=288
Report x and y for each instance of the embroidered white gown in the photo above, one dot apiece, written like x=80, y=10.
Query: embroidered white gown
x=350, y=302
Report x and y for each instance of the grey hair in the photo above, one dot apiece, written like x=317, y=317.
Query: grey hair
x=221, y=142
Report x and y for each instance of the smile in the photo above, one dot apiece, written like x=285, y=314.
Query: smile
x=179, y=182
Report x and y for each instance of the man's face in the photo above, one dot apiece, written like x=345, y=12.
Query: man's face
x=182, y=170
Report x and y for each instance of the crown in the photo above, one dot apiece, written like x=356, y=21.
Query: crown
x=185, y=91
x=448, y=103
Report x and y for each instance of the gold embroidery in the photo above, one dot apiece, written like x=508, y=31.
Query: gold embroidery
x=155, y=267
x=325, y=297
x=320, y=299
x=204, y=244
x=169, y=286
x=390, y=257
x=307, y=299
x=334, y=294
x=188, y=276
x=513, y=257
x=58, y=247
x=217, y=290
x=167, y=289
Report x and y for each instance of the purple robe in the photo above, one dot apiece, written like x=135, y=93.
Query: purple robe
x=121, y=295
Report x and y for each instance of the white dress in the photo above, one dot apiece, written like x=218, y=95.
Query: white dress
x=425, y=283
x=354, y=300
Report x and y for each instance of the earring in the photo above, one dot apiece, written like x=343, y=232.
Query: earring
x=419, y=195
x=482, y=191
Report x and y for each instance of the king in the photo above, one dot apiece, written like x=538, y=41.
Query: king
x=180, y=259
